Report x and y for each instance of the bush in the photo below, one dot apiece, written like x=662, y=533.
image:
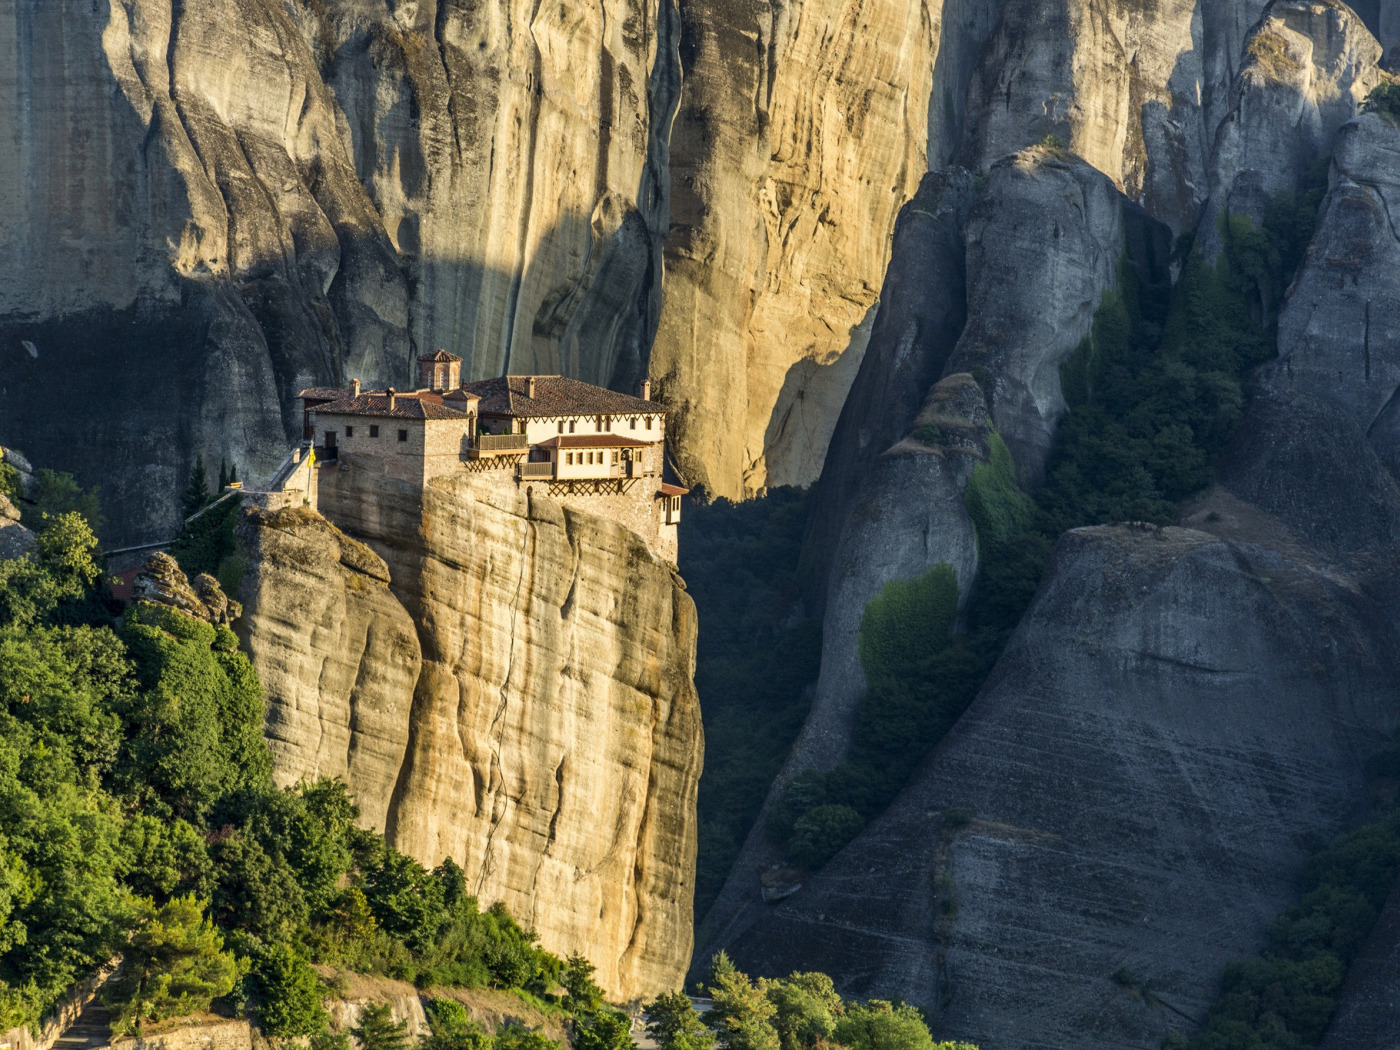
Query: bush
x=879, y=1025
x=907, y=619
x=1385, y=99
x=820, y=832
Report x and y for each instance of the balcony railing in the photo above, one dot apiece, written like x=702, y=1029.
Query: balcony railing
x=537, y=470
x=500, y=442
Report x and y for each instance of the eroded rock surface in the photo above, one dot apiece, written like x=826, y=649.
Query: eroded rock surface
x=1307, y=68
x=337, y=654
x=553, y=744
x=802, y=131
x=1339, y=334
x=1044, y=243
x=1099, y=789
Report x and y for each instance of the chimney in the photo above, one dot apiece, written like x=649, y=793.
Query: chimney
x=354, y=388
x=390, y=392
x=530, y=387
x=644, y=389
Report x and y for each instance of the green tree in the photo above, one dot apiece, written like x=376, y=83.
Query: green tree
x=59, y=572
x=288, y=993
x=377, y=1029
x=449, y=1028
x=515, y=1036
x=741, y=1017
x=194, y=727
x=806, y=1007
x=56, y=494
x=175, y=964
x=603, y=1030
x=581, y=993
x=821, y=831
x=674, y=1023
x=879, y=1025
x=196, y=493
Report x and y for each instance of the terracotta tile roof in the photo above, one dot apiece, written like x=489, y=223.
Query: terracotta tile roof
x=667, y=489
x=557, y=396
x=419, y=404
x=441, y=355
x=324, y=393
x=594, y=441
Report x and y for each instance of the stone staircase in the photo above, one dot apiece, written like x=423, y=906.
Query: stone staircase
x=92, y=1029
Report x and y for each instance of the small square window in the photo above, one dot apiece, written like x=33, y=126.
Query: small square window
x=349, y=432
x=373, y=430
x=403, y=435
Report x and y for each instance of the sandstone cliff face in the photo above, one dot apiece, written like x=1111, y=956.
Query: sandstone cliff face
x=550, y=739
x=802, y=131
x=195, y=245
x=517, y=156
x=336, y=652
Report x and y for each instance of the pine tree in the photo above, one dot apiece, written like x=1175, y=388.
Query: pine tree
x=223, y=474
x=197, y=490
x=377, y=1029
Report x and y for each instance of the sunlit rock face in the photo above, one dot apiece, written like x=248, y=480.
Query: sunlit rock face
x=511, y=686
x=195, y=246
x=517, y=157
x=801, y=132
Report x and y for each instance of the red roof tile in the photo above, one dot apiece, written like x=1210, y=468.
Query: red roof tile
x=557, y=396
x=593, y=441
x=419, y=404
x=667, y=489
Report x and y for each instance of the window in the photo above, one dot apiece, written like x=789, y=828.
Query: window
x=374, y=430
x=349, y=432
x=403, y=435
x=330, y=439
x=572, y=424
x=634, y=423
x=607, y=422
x=569, y=458
x=561, y=426
x=648, y=422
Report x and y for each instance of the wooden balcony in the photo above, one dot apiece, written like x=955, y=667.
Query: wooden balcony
x=487, y=445
x=537, y=470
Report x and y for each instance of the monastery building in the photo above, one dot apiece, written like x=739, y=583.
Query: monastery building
x=584, y=445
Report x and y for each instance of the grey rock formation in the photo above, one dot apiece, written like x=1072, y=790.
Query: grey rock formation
x=1044, y=244
x=905, y=519
x=1137, y=90
x=1088, y=815
x=1308, y=66
x=923, y=307
x=1339, y=334
x=15, y=540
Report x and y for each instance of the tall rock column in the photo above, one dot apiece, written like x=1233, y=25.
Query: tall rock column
x=801, y=133
x=542, y=728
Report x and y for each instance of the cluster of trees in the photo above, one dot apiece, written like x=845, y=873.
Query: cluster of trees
x=1284, y=998
x=802, y=1011
x=138, y=815
x=206, y=543
x=757, y=657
